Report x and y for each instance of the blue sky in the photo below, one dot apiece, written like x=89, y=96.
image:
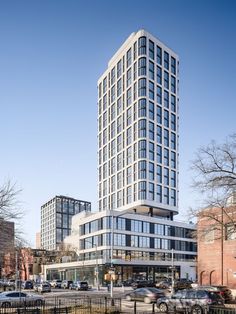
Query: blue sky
x=52, y=53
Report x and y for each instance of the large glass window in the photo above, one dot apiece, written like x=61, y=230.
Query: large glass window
x=166, y=195
x=173, y=84
x=166, y=99
x=142, y=107
x=136, y=226
x=166, y=60
x=129, y=96
x=173, y=160
x=151, y=49
x=159, y=95
x=151, y=151
x=173, y=178
x=159, y=55
x=166, y=137
x=142, y=66
x=144, y=242
x=166, y=176
x=173, y=122
x=119, y=69
x=151, y=70
x=142, y=190
x=159, y=115
x=173, y=65
x=151, y=110
x=142, y=153
x=142, y=128
x=173, y=140
x=129, y=136
x=129, y=175
x=142, y=87
x=166, y=80
x=151, y=90
x=159, y=174
x=151, y=131
x=128, y=78
x=159, y=135
x=129, y=195
x=142, y=46
x=142, y=169
x=159, y=194
x=151, y=171
x=128, y=58
x=159, y=75
x=166, y=157
x=173, y=103
x=159, y=154
x=166, y=118
x=119, y=239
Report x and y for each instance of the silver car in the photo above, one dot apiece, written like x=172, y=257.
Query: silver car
x=16, y=298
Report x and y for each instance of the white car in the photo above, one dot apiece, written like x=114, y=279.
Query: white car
x=16, y=298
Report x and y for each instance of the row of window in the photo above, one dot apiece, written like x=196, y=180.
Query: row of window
x=151, y=111
x=134, y=225
x=155, y=53
x=138, y=242
x=145, y=148
x=141, y=129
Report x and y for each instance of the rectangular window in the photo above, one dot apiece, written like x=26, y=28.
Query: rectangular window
x=135, y=50
x=129, y=155
x=128, y=78
x=159, y=75
x=159, y=55
x=119, y=106
x=129, y=195
x=119, y=69
x=129, y=97
x=173, y=84
x=141, y=66
x=151, y=110
x=129, y=175
x=151, y=70
x=159, y=154
x=173, y=140
x=173, y=179
x=173, y=160
x=159, y=95
x=151, y=90
x=173, y=122
x=159, y=135
x=142, y=46
x=142, y=149
x=172, y=197
x=151, y=131
x=142, y=128
x=129, y=136
x=166, y=157
x=159, y=174
x=113, y=76
x=104, y=85
x=166, y=80
x=151, y=151
x=166, y=138
x=142, y=170
x=128, y=58
x=142, y=107
x=173, y=103
x=129, y=117
x=166, y=176
x=166, y=99
x=159, y=194
x=142, y=87
x=113, y=95
x=173, y=65
x=166, y=60
x=166, y=118
x=159, y=115
x=142, y=190
x=151, y=192
x=166, y=195
x=151, y=49
x=151, y=171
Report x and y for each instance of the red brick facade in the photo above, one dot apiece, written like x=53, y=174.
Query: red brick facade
x=216, y=252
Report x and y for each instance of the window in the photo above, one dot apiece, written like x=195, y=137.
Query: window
x=173, y=84
x=159, y=135
x=166, y=60
x=173, y=140
x=151, y=90
x=159, y=174
x=173, y=103
x=151, y=49
x=230, y=231
x=210, y=236
x=166, y=176
x=166, y=195
x=151, y=70
x=142, y=46
x=135, y=50
x=113, y=148
x=119, y=180
x=142, y=107
x=151, y=131
x=136, y=226
x=129, y=195
x=142, y=190
x=173, y=160
x=119, y=106
x=151, y=110
x=159, y=154
x=141, y=66
x=128, y=58
x=144, y=242
x=166, y=137
x=129, y=155
x=113, y=112
x=142, y=169
x=135, y=71
x=151, y=172
x=113, y=183
x=166, y=99
x=159, y=55
x=142, y=128
x=173, y=179
x=166, y=118
x=104, y=137
x=128, y=78
x=151, y=151
x=105, y=102
x=166, y=157
x=129, y=117
x=159, y=115
x=159, y=194
x=119, y=239
x=113, y=76
x=129, y=97
x=173, y=122
x=142, y=149
x=157, y=243
x=173, y=65
x=166, y=80
x=159, y=75
x=172, y=197
x=118, y=69
x=129, y=175
x=159, y=95
x=113, y=166
x=119, y=162
x=104, y=85
x=113, y=129
x=135, y=91
x=142, y=87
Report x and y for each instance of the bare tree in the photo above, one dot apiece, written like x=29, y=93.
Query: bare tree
x=215, y=178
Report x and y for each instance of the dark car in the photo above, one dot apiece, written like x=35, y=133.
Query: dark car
x=164, y=284
x=79, y=285
x=193, y=301
x=224, y=291
x=27, y=284
x=147, y=295
x=66, y=284
x=56, y=283
x=182, y=284
x=143, y=284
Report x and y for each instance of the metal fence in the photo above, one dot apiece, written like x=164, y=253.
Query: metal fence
x=85, y=305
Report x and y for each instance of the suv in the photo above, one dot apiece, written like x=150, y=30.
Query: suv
x=224, y=291
x=79, y=285
x=27, y=284
x=66, y=284
x=195, y=301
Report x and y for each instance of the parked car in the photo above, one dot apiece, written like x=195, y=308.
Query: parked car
x=16, y=298
x=27, y=284
x=143, y=284
x=66, y=284
x=195, y=301
x=224, y=291
x=182, y=284
x=56, y=283
x=79, y=285
x=163, y=284
x=42, y=287
x=147, y=295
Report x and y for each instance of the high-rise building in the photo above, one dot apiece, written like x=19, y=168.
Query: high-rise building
x=56, y=217
x=134, y=230
x=138, y=128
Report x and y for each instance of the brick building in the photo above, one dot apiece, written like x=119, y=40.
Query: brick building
x=217, y=247
x=7, y=235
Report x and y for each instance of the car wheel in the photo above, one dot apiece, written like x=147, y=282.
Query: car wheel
x=38, y=303
x=128, y=298
x=147, y=300
x=163, y=307
x=6, y=305
x=196, y=310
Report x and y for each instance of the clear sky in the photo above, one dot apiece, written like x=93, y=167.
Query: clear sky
x=51, y=55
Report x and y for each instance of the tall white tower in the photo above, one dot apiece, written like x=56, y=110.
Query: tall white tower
x=138, y=128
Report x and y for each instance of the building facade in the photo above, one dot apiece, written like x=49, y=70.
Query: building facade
x=217, y=247
x=138, y=132
x=56, y=217
x=138, y=128
x=7, y=242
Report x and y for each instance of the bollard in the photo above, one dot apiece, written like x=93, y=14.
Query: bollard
x=153, y=307
x=135, y=307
